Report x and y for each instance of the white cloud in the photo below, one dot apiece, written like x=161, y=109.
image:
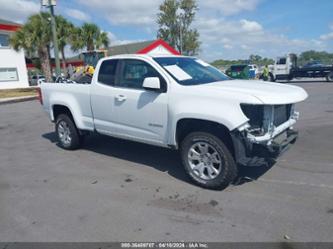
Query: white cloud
x=246, y=37
x=77, y=14
x=114, y=40
x=144, y=12
x=227, y=46
x=327, y=37
x=120, y=12
x=222, y=36
x=250, y=26
x=244, y=46
x=18, y=10
x=229, y=7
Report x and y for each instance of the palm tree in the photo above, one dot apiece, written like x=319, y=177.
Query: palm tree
x=35, y=37
x=89, y=36
x=102, y=40
x=90, y=33
x=64, y=32
x=76, y=40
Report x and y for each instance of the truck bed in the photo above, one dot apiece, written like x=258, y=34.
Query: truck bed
x=313, y=72
x=76, y=96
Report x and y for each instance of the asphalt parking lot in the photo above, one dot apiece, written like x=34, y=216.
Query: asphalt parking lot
x=115, y=190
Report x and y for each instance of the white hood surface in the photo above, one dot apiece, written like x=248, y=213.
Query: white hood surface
x=267, y=92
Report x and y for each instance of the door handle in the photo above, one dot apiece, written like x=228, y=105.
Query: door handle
x=121, y=97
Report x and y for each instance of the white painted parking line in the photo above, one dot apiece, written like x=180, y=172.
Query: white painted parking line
x=295, y=183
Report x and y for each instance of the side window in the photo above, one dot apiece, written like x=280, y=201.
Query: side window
x=8, y=74
x=107, y=72
x=4, y=40
x=134, y=72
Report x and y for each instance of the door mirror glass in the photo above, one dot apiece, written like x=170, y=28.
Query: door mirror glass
x=152, y=83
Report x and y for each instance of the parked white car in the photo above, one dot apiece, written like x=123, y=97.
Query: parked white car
x=180, y=103
x=254, y=68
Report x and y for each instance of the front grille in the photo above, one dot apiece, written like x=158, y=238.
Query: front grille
x=281, y=114
x=257, y=113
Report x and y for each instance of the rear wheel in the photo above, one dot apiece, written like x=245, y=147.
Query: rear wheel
x=329, y=77
x=208, y=161
x=271, y=77
x=67, y=133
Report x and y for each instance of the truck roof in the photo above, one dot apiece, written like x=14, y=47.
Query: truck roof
x=142, y=56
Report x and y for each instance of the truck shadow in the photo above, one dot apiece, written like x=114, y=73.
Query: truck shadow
x=162, y=159
x=253, y=173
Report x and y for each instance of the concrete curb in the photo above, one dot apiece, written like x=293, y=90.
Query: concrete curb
x=17, y=99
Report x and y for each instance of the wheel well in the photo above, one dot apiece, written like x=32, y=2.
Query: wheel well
x=188, y=125
x=61, y=109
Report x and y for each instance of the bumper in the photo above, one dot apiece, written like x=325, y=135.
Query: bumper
x=249, y=153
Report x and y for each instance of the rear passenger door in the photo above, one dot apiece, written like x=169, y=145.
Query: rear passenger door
x=102, y=96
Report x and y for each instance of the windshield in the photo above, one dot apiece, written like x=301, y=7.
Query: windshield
x=281, y=61
x=190, y=71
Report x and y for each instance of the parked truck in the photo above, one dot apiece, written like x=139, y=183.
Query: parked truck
x=287, y=68
x=179, y=103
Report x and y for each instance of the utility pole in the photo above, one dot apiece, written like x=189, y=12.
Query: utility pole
x=50, y=4
x=181, y=37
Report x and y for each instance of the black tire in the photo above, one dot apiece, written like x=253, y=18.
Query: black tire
x=271, y=77
x=329, y=77
x=228, y=170
x=75, y=140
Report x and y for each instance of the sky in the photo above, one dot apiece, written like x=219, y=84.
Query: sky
x=229, y=29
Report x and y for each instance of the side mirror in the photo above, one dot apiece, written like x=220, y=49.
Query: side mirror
x=152, y=83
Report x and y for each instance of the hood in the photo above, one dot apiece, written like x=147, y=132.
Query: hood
x=267, y=92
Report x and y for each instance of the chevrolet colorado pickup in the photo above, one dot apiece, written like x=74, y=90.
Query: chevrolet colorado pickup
x=180, y=103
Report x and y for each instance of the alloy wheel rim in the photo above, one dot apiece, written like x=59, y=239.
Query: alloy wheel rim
x=64, y=133
x=204, y=160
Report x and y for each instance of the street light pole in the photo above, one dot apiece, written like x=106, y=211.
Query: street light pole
x=51, y=4
x=55, y=40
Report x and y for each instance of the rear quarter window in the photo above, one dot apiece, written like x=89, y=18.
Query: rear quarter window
x=107, y=72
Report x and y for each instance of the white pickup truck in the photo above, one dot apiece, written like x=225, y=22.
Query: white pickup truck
x=180, y=103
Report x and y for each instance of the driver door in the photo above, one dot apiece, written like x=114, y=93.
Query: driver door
x=138, y=113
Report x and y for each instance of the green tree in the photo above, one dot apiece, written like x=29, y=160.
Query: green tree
x=253, y=59
x=102, y=40
x=174, y=20
x=35, y=38
x=307, y=56
x=64, y=32
x=90, y=37
x=257, y=59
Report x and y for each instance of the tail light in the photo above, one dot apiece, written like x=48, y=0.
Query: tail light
x=40, y=96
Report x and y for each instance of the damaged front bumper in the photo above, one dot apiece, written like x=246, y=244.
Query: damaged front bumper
x=251, y=153
x=274, y=135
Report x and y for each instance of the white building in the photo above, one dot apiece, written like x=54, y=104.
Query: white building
x=13, y=69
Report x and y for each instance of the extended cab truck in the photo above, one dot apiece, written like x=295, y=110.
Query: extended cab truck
x=180, y=103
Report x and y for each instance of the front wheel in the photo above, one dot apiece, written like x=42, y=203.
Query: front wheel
x=208, y=161
x=67, y=133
